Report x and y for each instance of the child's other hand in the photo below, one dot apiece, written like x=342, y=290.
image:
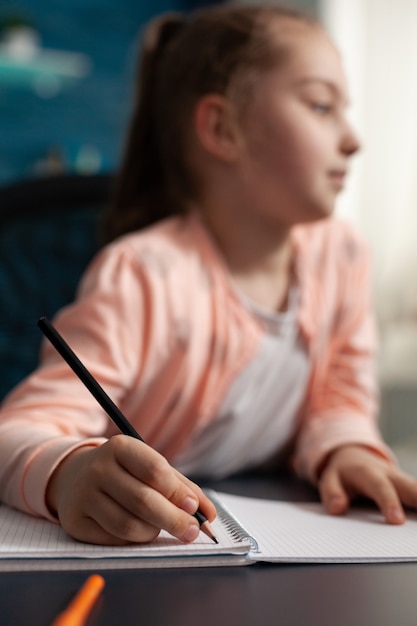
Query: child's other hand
x=122, y=492
x=356, y=471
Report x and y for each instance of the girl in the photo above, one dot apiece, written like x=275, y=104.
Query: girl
x=234, y=330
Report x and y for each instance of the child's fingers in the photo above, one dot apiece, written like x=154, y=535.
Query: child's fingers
x=105, y=522
x=152, y=490
x=371, y=481
x=152, y=469
x=146, y=505
x=332, y=493
x=206, y=505
x=406, y=487
x=110, y=523
x=379, y=488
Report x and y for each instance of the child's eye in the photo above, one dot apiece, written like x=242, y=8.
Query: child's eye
x=321, y=107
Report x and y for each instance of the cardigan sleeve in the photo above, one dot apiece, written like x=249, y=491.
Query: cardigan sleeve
x=51, y=413
x=342, y=403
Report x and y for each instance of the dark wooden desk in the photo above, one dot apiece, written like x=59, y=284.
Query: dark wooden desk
x=264, y=594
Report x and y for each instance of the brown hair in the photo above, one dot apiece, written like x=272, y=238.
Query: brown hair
x=217, y=50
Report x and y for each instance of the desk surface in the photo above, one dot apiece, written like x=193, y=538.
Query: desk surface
x=289, y=595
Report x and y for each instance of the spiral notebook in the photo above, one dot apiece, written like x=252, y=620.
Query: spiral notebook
x=249, y=530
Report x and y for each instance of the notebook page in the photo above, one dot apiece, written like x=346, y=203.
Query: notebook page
x=303, y=532
x=23, y=536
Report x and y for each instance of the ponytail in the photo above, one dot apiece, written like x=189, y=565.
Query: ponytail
x=141, y=194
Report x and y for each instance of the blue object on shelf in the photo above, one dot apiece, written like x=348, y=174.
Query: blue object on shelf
x=24, y=62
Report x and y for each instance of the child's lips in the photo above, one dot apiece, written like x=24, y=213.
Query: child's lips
x=338, y=177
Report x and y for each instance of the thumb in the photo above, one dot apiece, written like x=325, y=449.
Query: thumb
x=332, y=493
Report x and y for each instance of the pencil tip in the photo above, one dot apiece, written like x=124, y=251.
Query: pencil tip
x=206, y=528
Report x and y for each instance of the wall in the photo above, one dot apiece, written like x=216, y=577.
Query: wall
x=85, y=121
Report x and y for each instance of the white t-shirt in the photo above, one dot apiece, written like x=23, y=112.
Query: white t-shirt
x=259, y=413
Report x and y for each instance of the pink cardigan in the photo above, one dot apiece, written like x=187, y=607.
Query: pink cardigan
x=158, y=324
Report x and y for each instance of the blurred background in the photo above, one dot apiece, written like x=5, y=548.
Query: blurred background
x=66, y=76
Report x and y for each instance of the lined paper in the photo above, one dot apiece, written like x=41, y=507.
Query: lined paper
x=22, y=536
x=303, y=532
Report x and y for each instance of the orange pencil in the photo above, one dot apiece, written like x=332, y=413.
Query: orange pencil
x=78, y=610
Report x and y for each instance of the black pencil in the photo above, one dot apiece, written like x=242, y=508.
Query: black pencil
x=102, y=397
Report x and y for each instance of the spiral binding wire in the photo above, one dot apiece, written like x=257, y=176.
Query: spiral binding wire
x=232, y=525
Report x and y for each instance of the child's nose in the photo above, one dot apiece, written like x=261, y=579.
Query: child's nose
x=350, y=141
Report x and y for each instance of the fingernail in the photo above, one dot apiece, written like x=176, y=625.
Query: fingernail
x=395, y=515
x=335, y=504
x=191, y=534
x=190, y=505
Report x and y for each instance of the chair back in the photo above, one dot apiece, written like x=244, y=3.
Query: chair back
x=48, y=235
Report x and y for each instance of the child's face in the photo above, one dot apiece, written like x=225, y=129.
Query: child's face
x=296, y=138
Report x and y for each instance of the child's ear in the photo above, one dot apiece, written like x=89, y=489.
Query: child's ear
x=216, y=127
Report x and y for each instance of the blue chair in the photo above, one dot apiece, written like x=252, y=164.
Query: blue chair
x=48, y=234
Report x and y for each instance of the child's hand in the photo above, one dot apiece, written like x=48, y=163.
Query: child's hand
x=354, y=470
x=124, y=491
